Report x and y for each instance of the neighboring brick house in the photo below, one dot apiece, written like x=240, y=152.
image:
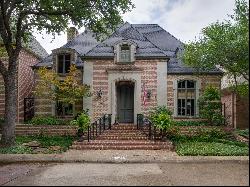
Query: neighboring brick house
x=28, y=57
x=236, y=107
x=130, y=72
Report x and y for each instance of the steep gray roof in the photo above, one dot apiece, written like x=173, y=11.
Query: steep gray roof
x=36, y=47
x=126, y=32
x=151, y=39
x=83, y=43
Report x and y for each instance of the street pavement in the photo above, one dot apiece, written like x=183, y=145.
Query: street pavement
x=221, y=173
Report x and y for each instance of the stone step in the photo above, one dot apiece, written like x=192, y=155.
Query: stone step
x=128, y=142
x=124, y=128
x=123, y=134
x=122, y=138
x=122, y=147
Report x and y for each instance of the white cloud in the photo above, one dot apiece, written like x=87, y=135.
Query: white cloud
x=182, y=18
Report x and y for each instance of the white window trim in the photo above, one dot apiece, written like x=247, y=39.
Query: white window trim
x=197, y=94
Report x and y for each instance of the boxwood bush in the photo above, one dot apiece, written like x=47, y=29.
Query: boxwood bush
x=47, y=120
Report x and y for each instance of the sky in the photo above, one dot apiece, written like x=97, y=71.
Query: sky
x=184, y=19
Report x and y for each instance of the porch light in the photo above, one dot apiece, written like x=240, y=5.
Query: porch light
x=99, y=93
x=149, y=93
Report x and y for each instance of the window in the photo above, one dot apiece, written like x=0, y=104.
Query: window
x=125, y=53
x=64, y=109
x=63, y=63
x=186, y=98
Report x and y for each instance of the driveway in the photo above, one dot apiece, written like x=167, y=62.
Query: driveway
x=146, y=174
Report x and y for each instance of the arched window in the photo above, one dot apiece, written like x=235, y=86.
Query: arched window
x=125, y=53
x=186, y=100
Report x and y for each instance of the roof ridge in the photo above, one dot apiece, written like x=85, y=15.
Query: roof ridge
x=148, y=39
x=107, y=37
x=171, y=35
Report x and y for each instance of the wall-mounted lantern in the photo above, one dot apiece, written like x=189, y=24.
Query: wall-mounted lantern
x=99, y=93
x=149, y=94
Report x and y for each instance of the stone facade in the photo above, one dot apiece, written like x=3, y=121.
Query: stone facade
x=25, y=82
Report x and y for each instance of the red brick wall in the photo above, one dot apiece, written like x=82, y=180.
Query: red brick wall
x=242, y=112
x=100, y=81
x=25, y=82
x=149, y=77
x=227, y=99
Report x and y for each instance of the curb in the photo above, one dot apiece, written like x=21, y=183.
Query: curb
x=43, y=158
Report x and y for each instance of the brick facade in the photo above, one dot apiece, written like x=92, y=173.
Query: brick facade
x=100, y=81
x=25, y=82
x=43, y=104
x=202, y=82
x=236, y=109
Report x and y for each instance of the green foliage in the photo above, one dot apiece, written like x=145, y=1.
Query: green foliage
x=244, y=133
x=161, y=109
x=191, y=123
x=225, y=44
x=211, y=149
x=82, y=121
x=46, y=141
x=212, y=142
x=161, y=118
x=210, y=106
x=47, y=120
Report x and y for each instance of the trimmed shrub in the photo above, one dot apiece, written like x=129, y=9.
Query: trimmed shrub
x=47, y=120
x=210, y=106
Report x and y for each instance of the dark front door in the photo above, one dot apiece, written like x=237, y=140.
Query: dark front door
x=125, y=103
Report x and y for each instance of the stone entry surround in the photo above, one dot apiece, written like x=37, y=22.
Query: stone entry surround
x=104, y=74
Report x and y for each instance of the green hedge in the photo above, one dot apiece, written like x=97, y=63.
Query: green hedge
x=191, y=123
x=47, y=120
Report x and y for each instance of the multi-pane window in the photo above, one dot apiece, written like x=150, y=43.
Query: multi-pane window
x=64, y=109
x=125, y=53
x=63, y=65
x=186, y=98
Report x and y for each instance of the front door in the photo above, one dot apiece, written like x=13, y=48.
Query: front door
x=125, y=103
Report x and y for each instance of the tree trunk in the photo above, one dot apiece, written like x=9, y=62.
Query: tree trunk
x=8, y=128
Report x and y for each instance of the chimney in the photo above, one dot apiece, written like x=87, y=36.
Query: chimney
x=71, y=33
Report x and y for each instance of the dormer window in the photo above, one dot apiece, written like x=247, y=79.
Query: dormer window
x=63, y=65
x=125, y=53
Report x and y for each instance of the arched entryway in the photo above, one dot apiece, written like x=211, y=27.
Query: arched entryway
x=125, y=101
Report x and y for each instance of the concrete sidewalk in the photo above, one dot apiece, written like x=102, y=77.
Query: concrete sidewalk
x=116, y=156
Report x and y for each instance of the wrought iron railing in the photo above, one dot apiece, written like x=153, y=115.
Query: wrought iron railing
x=99, y=126
x=146, y=126
x=29, y=110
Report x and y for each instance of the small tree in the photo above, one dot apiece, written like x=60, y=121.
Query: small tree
x=210, y=106
x=67, y=91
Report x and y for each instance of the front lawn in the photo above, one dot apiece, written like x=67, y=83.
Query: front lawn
x=209, y=142
x=47, y=145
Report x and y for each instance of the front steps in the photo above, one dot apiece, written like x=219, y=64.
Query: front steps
x=122, y=137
